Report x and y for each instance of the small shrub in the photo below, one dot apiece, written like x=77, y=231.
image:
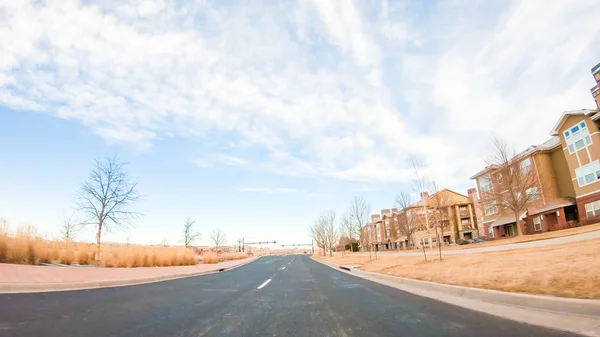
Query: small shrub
x=3, y=248
x=136, y=260
x=31, y=253
x=66, y=257
x=17, y=251
x=210, y=258
x=146, y=260
x=83, y=256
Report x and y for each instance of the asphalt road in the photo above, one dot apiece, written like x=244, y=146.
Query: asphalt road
x=302, y=298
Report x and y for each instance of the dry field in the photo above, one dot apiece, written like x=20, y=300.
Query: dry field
x=569, y=270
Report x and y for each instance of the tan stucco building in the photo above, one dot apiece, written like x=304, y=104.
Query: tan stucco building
x=567, y=167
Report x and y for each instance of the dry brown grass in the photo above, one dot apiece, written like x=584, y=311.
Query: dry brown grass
x=141, y=256
x=210, y=258
x=569, y=270
x=26, y=247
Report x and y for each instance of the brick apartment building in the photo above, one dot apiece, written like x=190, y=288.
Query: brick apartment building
x=567, y=167
x=458, y=219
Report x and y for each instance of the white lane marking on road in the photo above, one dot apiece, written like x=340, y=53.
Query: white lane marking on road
x=264, y=284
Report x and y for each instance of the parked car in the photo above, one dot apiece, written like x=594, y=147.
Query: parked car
x=478, y=240
x=462, y=242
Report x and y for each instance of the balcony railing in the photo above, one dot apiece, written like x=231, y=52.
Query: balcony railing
x=466, y=227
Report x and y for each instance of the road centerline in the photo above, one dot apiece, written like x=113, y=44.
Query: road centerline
x=264, y=284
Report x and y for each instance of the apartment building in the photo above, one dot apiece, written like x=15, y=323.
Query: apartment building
x=551, y=203
x=580, y=145
x=446, y=209
x=567, y=169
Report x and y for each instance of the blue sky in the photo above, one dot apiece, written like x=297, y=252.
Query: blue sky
x=256, y=116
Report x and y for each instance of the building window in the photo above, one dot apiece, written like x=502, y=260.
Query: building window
x=577, y=137
x=491, y=232
x=425, y=241
x=491, y=209
x=485, y=183
x=537, y=224
x=526, y=166
x=588, y=174
x=532, y=193
x=592, y=209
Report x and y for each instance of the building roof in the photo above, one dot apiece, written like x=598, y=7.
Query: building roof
x=596, y=68
x=550, y=205
x=420, y=203
x=548, y=145
x=485, y=170
x=505, y=217
x=567, y=114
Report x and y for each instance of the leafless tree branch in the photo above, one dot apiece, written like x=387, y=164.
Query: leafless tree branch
x=108, y=197
x=189, y=233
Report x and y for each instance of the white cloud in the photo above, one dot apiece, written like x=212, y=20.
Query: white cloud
x=328, y=88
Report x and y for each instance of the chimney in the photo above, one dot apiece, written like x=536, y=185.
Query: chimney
x=394, y=210
x=472, y=193
x=424, y=195
x=375, y=218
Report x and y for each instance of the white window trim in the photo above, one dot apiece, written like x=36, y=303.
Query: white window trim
x=489, y=180
x=491, y=232
x=534, y=224
x=593, y=164
x=594, y=208
x=528, y=159
x=493, y=206
x=579, y=137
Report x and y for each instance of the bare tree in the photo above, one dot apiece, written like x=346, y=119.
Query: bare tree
x=165, y=241
x=332, y=233
x=515, y=184
x=69, y=226
x=359, y=214
x=108, y=198
x=438, y=213
x=408, y=222
x=317, y=233
x=217, y=237
x=189, y=233
x=346, y=232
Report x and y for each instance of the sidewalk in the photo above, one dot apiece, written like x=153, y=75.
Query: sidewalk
x=511, y=246
x=26, y=278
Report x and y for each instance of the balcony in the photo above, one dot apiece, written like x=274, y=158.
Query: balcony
x=595, y=91
x=466, y=227
x=464, y=213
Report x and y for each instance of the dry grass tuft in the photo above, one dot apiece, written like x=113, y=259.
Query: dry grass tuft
x=210, y=258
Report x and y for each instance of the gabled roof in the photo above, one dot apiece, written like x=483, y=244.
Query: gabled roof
x=596, y=68
x=420, y=203
x=485, y=170
x=567, y=114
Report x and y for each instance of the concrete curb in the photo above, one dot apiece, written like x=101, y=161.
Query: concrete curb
x=573, y=315
x=12, y=288
x=573, y=306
